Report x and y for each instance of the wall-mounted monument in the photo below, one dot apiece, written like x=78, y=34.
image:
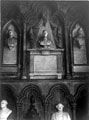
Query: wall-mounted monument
x=44, y=46
x=79, y=49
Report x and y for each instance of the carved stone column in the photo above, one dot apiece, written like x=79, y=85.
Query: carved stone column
x=24, y=54
x=0, y=40
x=19, y=58
x=18, y=110
x=74, y=110
x=68, y=75
x=88, y=100
x=46, y=111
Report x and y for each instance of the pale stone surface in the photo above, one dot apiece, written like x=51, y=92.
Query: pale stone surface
x=81, y=68
x=45, y=64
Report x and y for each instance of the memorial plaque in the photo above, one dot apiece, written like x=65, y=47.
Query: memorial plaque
x=45, y=64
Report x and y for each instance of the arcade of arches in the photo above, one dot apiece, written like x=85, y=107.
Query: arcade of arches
x=44, y=58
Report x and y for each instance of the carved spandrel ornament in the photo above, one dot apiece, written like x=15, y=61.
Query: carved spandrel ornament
x=79, y=45
x=10, y=37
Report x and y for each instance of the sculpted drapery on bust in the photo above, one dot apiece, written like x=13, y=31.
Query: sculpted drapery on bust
x=5, y=112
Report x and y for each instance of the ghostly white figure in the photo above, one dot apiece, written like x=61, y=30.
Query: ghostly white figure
x=4, y=111
x=60, y=115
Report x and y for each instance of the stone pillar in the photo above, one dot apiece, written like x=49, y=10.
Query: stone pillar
x=68, y=75
x=46, y=111
x=19, y=58
x=0, y=40
x=24, y=54
x=88, y=99
x=74, y=110
x=18, y=110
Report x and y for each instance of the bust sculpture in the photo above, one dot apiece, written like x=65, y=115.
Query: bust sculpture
x=11, y=37
x=60, y=115
x=4, y=111
x=45, y=43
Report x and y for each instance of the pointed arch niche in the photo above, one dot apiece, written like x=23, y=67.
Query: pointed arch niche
x=10, y=46
x=78, y=41
x=57, y=94
x=32, y=103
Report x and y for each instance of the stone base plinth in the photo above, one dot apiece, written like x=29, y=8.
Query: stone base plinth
x=45, y=64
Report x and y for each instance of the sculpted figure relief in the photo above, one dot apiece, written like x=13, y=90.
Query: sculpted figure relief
x=4, y=111
x=10, y=45
x=79, y=45
x=60, y=115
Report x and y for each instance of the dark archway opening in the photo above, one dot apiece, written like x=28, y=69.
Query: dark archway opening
x=82, y=105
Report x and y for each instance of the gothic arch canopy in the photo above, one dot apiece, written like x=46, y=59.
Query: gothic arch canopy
x=12, y=21
x=72, y=25
x=30, y=90
x=33, y=11
x=10, y=88
x=6, y=25
x=79, y=90
x=57, y=87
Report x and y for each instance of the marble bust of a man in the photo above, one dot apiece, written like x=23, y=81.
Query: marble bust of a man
x=45, y=43
x=60, y=115
x=4, y=111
